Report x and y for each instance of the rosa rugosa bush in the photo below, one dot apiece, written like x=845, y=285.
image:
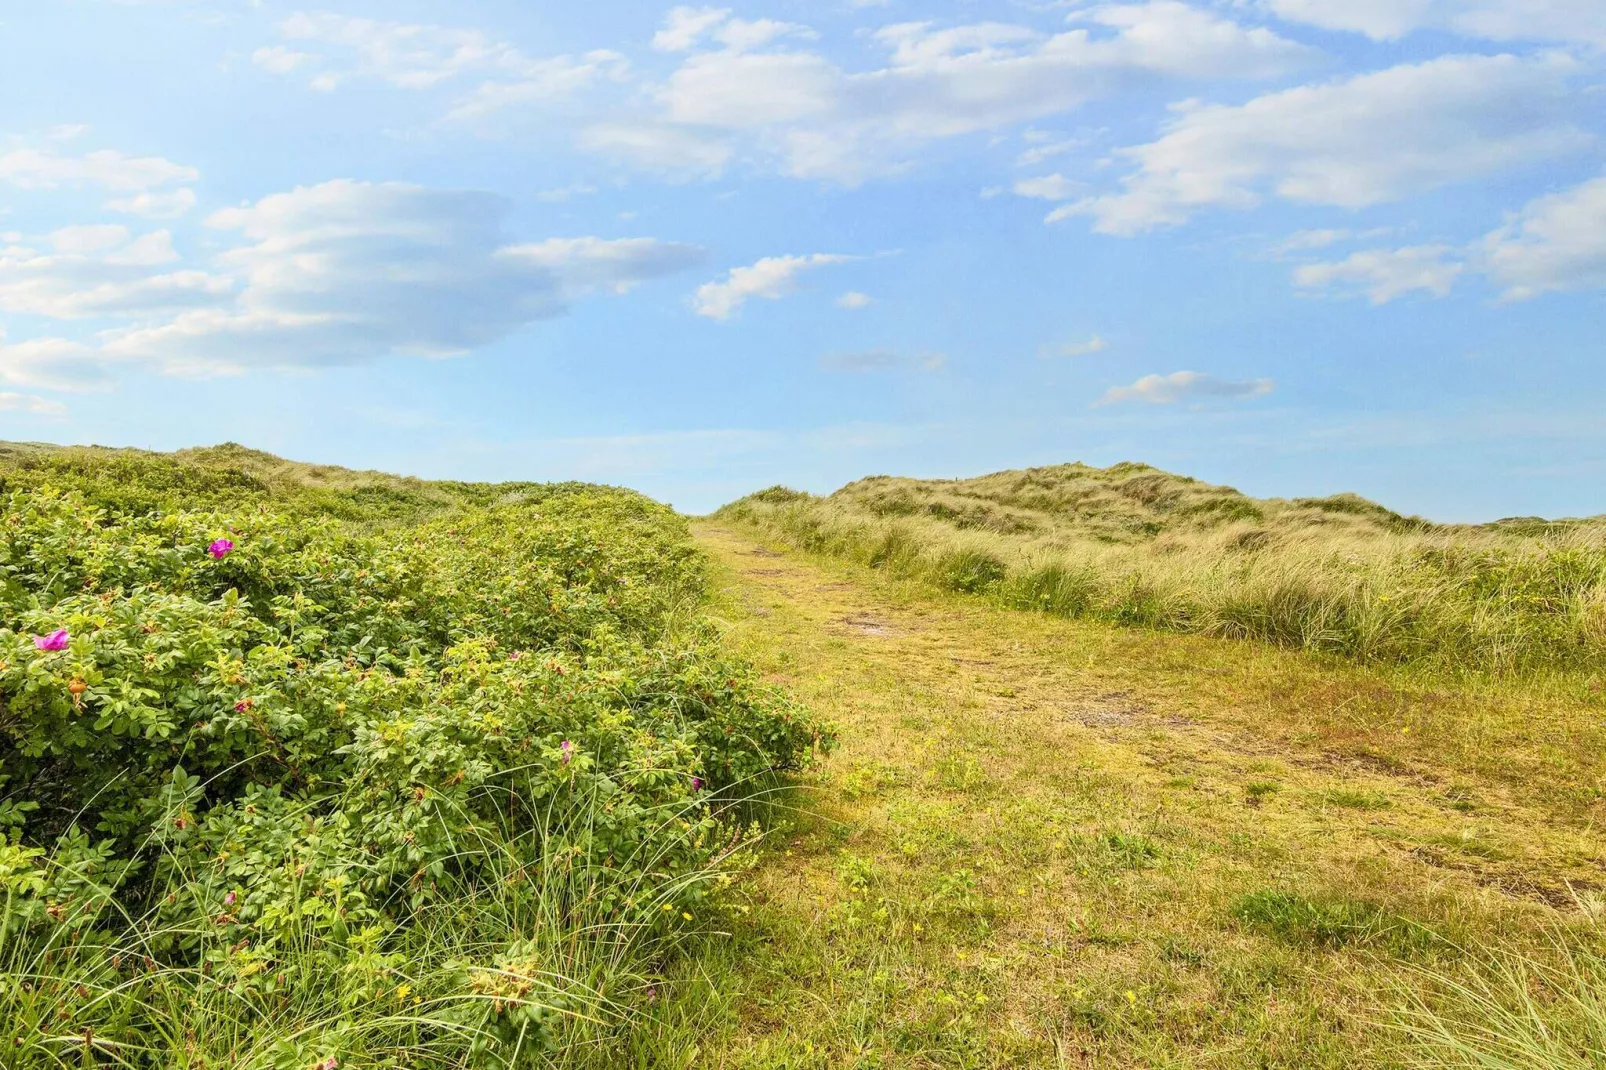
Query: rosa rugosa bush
x=263, y=728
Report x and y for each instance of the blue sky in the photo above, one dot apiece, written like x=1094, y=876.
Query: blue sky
x=1298, y=246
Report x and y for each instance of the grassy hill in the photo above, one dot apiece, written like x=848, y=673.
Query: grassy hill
x=1135, y=545
x=234, y=476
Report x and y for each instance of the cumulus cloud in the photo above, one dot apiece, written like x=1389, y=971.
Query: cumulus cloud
x=1352, y=143
x=336, y=273
x=874, y=360
x=345, y=271
x=770, y=278
x=1186, y=386
x=1095, y=344
x=1497, y=20
x=1557, y=242
x=799, y=112
x=853, y=301
x=1385, y=274
x=28, y=168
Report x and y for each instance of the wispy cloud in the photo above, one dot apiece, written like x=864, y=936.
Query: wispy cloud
x=872, y=360
x=32, y=404
x=1095, y=344
x=29, y=168
x=1385, y=274
x=771, y=278
x=1186, y=386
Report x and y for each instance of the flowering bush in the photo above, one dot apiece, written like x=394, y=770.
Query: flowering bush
x=260, y=726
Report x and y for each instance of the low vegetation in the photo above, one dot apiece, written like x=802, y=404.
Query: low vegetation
x=306, y=767
x=1133, y=545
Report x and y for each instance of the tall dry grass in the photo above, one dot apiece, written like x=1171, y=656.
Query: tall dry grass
x=1499, y=599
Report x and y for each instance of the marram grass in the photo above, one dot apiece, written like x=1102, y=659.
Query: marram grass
x=1134, y=546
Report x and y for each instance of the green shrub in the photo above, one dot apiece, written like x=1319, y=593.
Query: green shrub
x=498, y=750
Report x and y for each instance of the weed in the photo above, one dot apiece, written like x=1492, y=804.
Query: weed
x=1354, y=799
x=1329, y=922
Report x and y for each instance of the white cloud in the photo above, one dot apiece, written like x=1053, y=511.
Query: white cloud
x=1357, y=142
x=51, y=364
x=739, y=35
x=403, y=55
x=337, y=273
x=163, y=205
x=1044, y=149
x=539, y=83
x=277, y=59
x=33, y=404
x=345, y=271
x=1557, y=242
x=92, y=238
x=417, y=57
x=685, y=26
x=1186, y=386
x=875, y=360
x=589, y=265
x=1386, y=274
x=799, y=112
x=101, y=271
x=1302, y=240
x=1498, y=20
x=1095, y=344
x=676, y=151
x=47, y=169
x=1055, y=187
x=771, y=278
x=853, y=301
